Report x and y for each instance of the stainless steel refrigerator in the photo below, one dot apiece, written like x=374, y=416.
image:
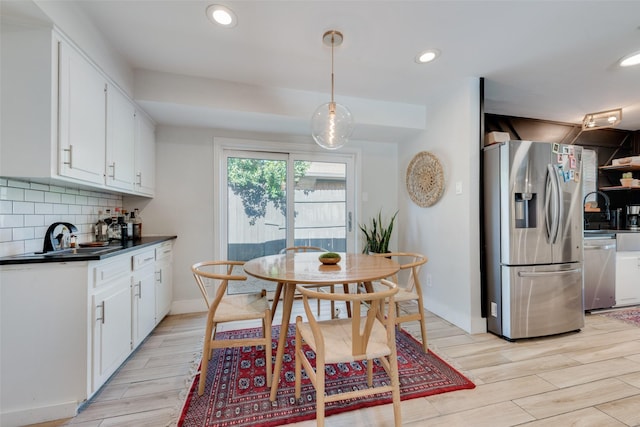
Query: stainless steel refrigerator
x=533, y=226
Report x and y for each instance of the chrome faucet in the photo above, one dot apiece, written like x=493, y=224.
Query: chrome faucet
x=49, y=237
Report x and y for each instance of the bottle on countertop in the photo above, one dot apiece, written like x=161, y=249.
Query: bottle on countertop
x=107, y=217
x=101, y=234
x=115, y=231
x=122, y=226
x=137, y=224
x=129, y=220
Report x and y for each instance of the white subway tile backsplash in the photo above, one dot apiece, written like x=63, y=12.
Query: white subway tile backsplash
x=60, y=209
x=34, y=245
x=38, y=186
x=33, y=196
x=10, y=221
x=33, y=220
x=12, y=248
x=23, y=208
x=6, y=235
x=18, y=184
x=43, y=208
x=23, y=233
x=68, y=199
x=10, y=193
x=52, y=197
x=27, y=209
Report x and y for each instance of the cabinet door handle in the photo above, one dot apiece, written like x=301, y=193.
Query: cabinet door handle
x=139, y=175
x=139, y=295
x=101, y=318
x=159, y=275
x=70, y=150
x=113, y=170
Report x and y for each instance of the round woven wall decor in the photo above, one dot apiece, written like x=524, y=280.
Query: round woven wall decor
x=425, y=179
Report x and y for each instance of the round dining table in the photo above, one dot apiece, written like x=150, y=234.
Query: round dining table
x=304, y=268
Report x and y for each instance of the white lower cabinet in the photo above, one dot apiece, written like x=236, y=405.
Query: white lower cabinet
x=144, y=296
x=164, y=273
x=84, y=317
x=111, y=311
x=627, y=278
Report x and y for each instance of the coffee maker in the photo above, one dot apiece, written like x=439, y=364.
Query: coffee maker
x=633, y=217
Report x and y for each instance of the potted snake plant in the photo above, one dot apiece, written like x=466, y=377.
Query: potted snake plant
x=377, y=234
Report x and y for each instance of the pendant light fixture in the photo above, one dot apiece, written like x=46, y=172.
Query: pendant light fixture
x=331, y=123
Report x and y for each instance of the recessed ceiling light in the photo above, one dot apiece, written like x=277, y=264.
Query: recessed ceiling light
x=629, y=60
x=222, y=15
x=427, y=56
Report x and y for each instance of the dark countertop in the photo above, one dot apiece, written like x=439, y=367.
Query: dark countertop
x=608, y=231
x=69, y=257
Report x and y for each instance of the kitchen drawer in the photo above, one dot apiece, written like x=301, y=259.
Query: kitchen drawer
x=628, y=242
x=143, y=259
x=107, y=271
x=163, y=250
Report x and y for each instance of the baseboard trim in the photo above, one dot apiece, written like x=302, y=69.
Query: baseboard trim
x=39, y=414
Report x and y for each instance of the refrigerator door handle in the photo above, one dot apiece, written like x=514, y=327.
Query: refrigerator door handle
x=547, y=273
x=599, y=247
x=552, y=203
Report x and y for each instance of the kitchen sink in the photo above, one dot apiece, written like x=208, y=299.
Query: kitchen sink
x=75, y=252
x=83, y=251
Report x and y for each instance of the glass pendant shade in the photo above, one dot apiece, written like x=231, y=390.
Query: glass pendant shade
x=331, y=125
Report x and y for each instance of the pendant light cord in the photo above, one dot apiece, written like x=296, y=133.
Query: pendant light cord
x=332, y=44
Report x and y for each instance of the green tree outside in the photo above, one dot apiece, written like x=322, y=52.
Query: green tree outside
x=258, y=182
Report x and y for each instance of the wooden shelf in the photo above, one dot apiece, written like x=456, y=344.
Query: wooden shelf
x=618, y=188
x=621, y=168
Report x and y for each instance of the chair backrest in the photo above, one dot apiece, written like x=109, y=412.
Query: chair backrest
x=208, y=270
x=410, y=262
x=303, y=249
x=361, y=326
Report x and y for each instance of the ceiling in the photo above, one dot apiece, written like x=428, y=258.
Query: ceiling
x=553, y=60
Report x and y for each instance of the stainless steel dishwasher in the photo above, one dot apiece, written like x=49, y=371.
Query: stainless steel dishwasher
x=599, y=271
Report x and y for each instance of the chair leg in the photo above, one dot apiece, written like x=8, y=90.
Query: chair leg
x=276, y=299
x=395, y=393
x=266, y=323
x=207, y=350
x=345, y=288
x=298, y=357
x=423, y=330
x=320, y=394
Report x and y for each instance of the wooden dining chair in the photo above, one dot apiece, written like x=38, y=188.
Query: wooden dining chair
x=278, y=292
x=369, y=334
x=224, y=308
x=410, y=289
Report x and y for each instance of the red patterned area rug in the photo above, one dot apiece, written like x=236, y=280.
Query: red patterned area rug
x=236, y=393
x=628, y=315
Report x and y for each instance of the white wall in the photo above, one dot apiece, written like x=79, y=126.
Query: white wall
x=448, y=231
x=183, y=204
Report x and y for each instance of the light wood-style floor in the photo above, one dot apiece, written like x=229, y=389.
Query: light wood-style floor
x=590, y=378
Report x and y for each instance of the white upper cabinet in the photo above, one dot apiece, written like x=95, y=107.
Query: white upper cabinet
x=65, y=122
x=145, y=155
x=121, y=132
x=82, y=101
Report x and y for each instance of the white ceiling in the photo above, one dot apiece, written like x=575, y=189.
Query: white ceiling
x=552, y=60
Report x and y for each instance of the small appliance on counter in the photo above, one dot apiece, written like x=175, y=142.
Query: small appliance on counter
x=633, y=214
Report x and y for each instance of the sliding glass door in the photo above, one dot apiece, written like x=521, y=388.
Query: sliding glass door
x=276, y=200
